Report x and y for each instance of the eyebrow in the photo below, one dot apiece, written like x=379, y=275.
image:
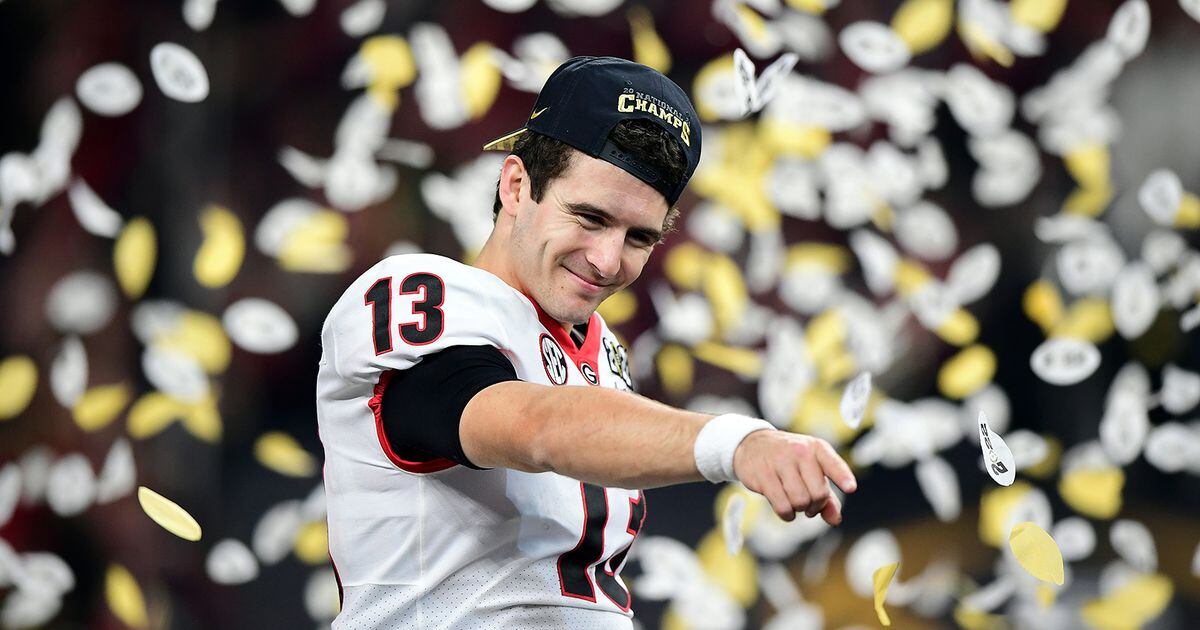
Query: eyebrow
x=652, y=235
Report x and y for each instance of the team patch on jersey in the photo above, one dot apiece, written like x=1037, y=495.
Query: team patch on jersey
x=554, y=360
x=618, y=361
x=589, y=373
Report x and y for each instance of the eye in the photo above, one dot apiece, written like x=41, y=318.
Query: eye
x=590, y=220
x=639, y=239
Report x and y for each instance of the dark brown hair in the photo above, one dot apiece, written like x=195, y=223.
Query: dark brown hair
x=546, y=158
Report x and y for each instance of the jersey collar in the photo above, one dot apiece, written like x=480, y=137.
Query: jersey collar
x=586, y=353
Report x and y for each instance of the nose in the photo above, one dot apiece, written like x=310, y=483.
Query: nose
x=604, y=255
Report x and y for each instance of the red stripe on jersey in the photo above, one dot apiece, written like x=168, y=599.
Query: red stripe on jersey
x=376, y=404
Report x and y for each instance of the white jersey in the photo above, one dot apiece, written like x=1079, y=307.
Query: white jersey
x=437, y=545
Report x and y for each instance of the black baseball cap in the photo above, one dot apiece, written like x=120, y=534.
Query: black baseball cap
x=586, y=97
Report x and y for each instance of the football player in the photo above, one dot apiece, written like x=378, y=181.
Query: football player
x=485, y=455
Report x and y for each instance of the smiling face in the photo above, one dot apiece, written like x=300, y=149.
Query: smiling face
x=588, y=237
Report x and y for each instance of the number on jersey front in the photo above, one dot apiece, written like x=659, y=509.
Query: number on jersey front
x=573, y=565
x=427, y=320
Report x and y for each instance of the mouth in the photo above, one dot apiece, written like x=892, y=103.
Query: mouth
x=587, y=285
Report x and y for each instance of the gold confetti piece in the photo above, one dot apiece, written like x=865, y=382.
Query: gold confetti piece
x=744, y=362
x=168, y=514
x=1045, y=595
x=1188, y=215
x=1040, y=15
x=970, y=619
x=1088, y=202
x=834, y=258
x=684, y=266
x=124, y=597
x=815, y=7
x=202, y=337
x=960, y=328
x=923, y=24
x=390, y=61
x=283, y=454
x=152, y=413
x=618, y=308
x=1089, y=164
x=220, y=256
x=785, y=137
x=480, y=79
x=648, y=47
x=982, y=45
x=881, y=579
x=675, y=369
x=312, y=543
x=317, y=245
x=1037, y=552
x=99, y=406
x=1094, y=492
x=995, y=507
x=18, y=382
x=1089, y=319
x=825, y=335
x=725, y=290
x=1043, y=304
x=203, y=421
x=967, y=372
x=1049, y=464
x=711, y=75
x=134, y=257
x=910, y=276
x=836, y=367
x=1133, y=605
x=737, y=574
x=753, y=24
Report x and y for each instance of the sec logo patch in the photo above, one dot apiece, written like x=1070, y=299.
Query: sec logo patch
x=553, y=359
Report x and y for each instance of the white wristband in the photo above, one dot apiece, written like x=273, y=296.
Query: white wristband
x=718, y=441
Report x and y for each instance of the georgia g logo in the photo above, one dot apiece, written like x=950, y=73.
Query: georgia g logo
x=553, y=360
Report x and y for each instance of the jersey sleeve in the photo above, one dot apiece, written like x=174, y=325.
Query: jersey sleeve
x=409, y=306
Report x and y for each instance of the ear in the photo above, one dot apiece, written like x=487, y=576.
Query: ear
x=514, y=184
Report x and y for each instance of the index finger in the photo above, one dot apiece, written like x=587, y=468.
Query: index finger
x=835, y=467
x=832, y=512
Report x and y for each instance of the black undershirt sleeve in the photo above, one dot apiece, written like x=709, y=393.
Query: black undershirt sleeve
x=423, y=405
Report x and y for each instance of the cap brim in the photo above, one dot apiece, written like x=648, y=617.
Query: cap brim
x=505, y=142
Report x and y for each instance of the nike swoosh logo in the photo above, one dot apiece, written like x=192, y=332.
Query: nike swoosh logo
x=537, y=113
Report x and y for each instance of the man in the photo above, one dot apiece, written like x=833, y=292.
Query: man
x=483, y=465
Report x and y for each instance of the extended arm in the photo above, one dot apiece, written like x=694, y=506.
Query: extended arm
x=615, y=438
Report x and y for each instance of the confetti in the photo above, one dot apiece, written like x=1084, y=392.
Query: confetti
x=81, y=302
x=1171, y=447
x=18, y=382
x=124, y=597
x=1130, y=28
x=874, y=47
x=997, y=457
x=1124, y=427
x=175, y=373
x=1133, y=605
x=1075, y=537
x=967, y=372
x=259, y=326
x=1064, y=361
x=168, y=514
x=1133, y=542
x=362, y=17
x=198, y=14
x=855, y=398
x=731, y=523
x=276, y=532
x=881, y=579
x=312, y=543
x=71, y=485
x=1135, y=300
x=1037, y=552
x=923, y=24
x=118, y=474
x=876, y=548
x=230, y=562
x=322, y=595
x=220, y=255
x=1180, y=390
x=648, y=48
x=178, y=73
x=1094, y=492
x=109, y=89
x=283, y=454
x=10, y=493
x=134, y=256
x=939, y=484
x=100, y=405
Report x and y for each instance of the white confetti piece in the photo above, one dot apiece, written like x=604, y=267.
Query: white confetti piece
x=322, y=595
x=1029, y=448
x=71, y=485
x=731, y=523
x=926, y=231
x=1162, y=250
x=753, y=92
x=981, y=106
x=997, y=457
x=118, y=475
x=1124, y=427
x=178, y=73
x=991, y=596
x=1076, y=538
x=10, y=495
x=1089, y=266
x=406, y=153
x=510, y=6
x=1064, y=361
x=93, y=214
x=362, y=17
x=939, y=484
x=198, y=14
x=875, y=549
x=973, y=274
x=35, y=472
x=1190, y=319
x=82, y=302
x=1192, y=8
x=1172, y=447
x=1133, y=542
x=667, y=567
x=275, y=532
x=878, y=259
x=687, y=319
x=874, y=47
x=307, y=170
x=69, y=372
x=298, y=8
x=1196, y=555
x=175, y=373
x=25, y=608
x=1135, y=300
x=1160, y=196
x=855, y=398
x=46, y=573
x=109, y=89
x=991, y=400
x=1180, y=390
x=231, y=562
x=259, y=326
x=1130, y=28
